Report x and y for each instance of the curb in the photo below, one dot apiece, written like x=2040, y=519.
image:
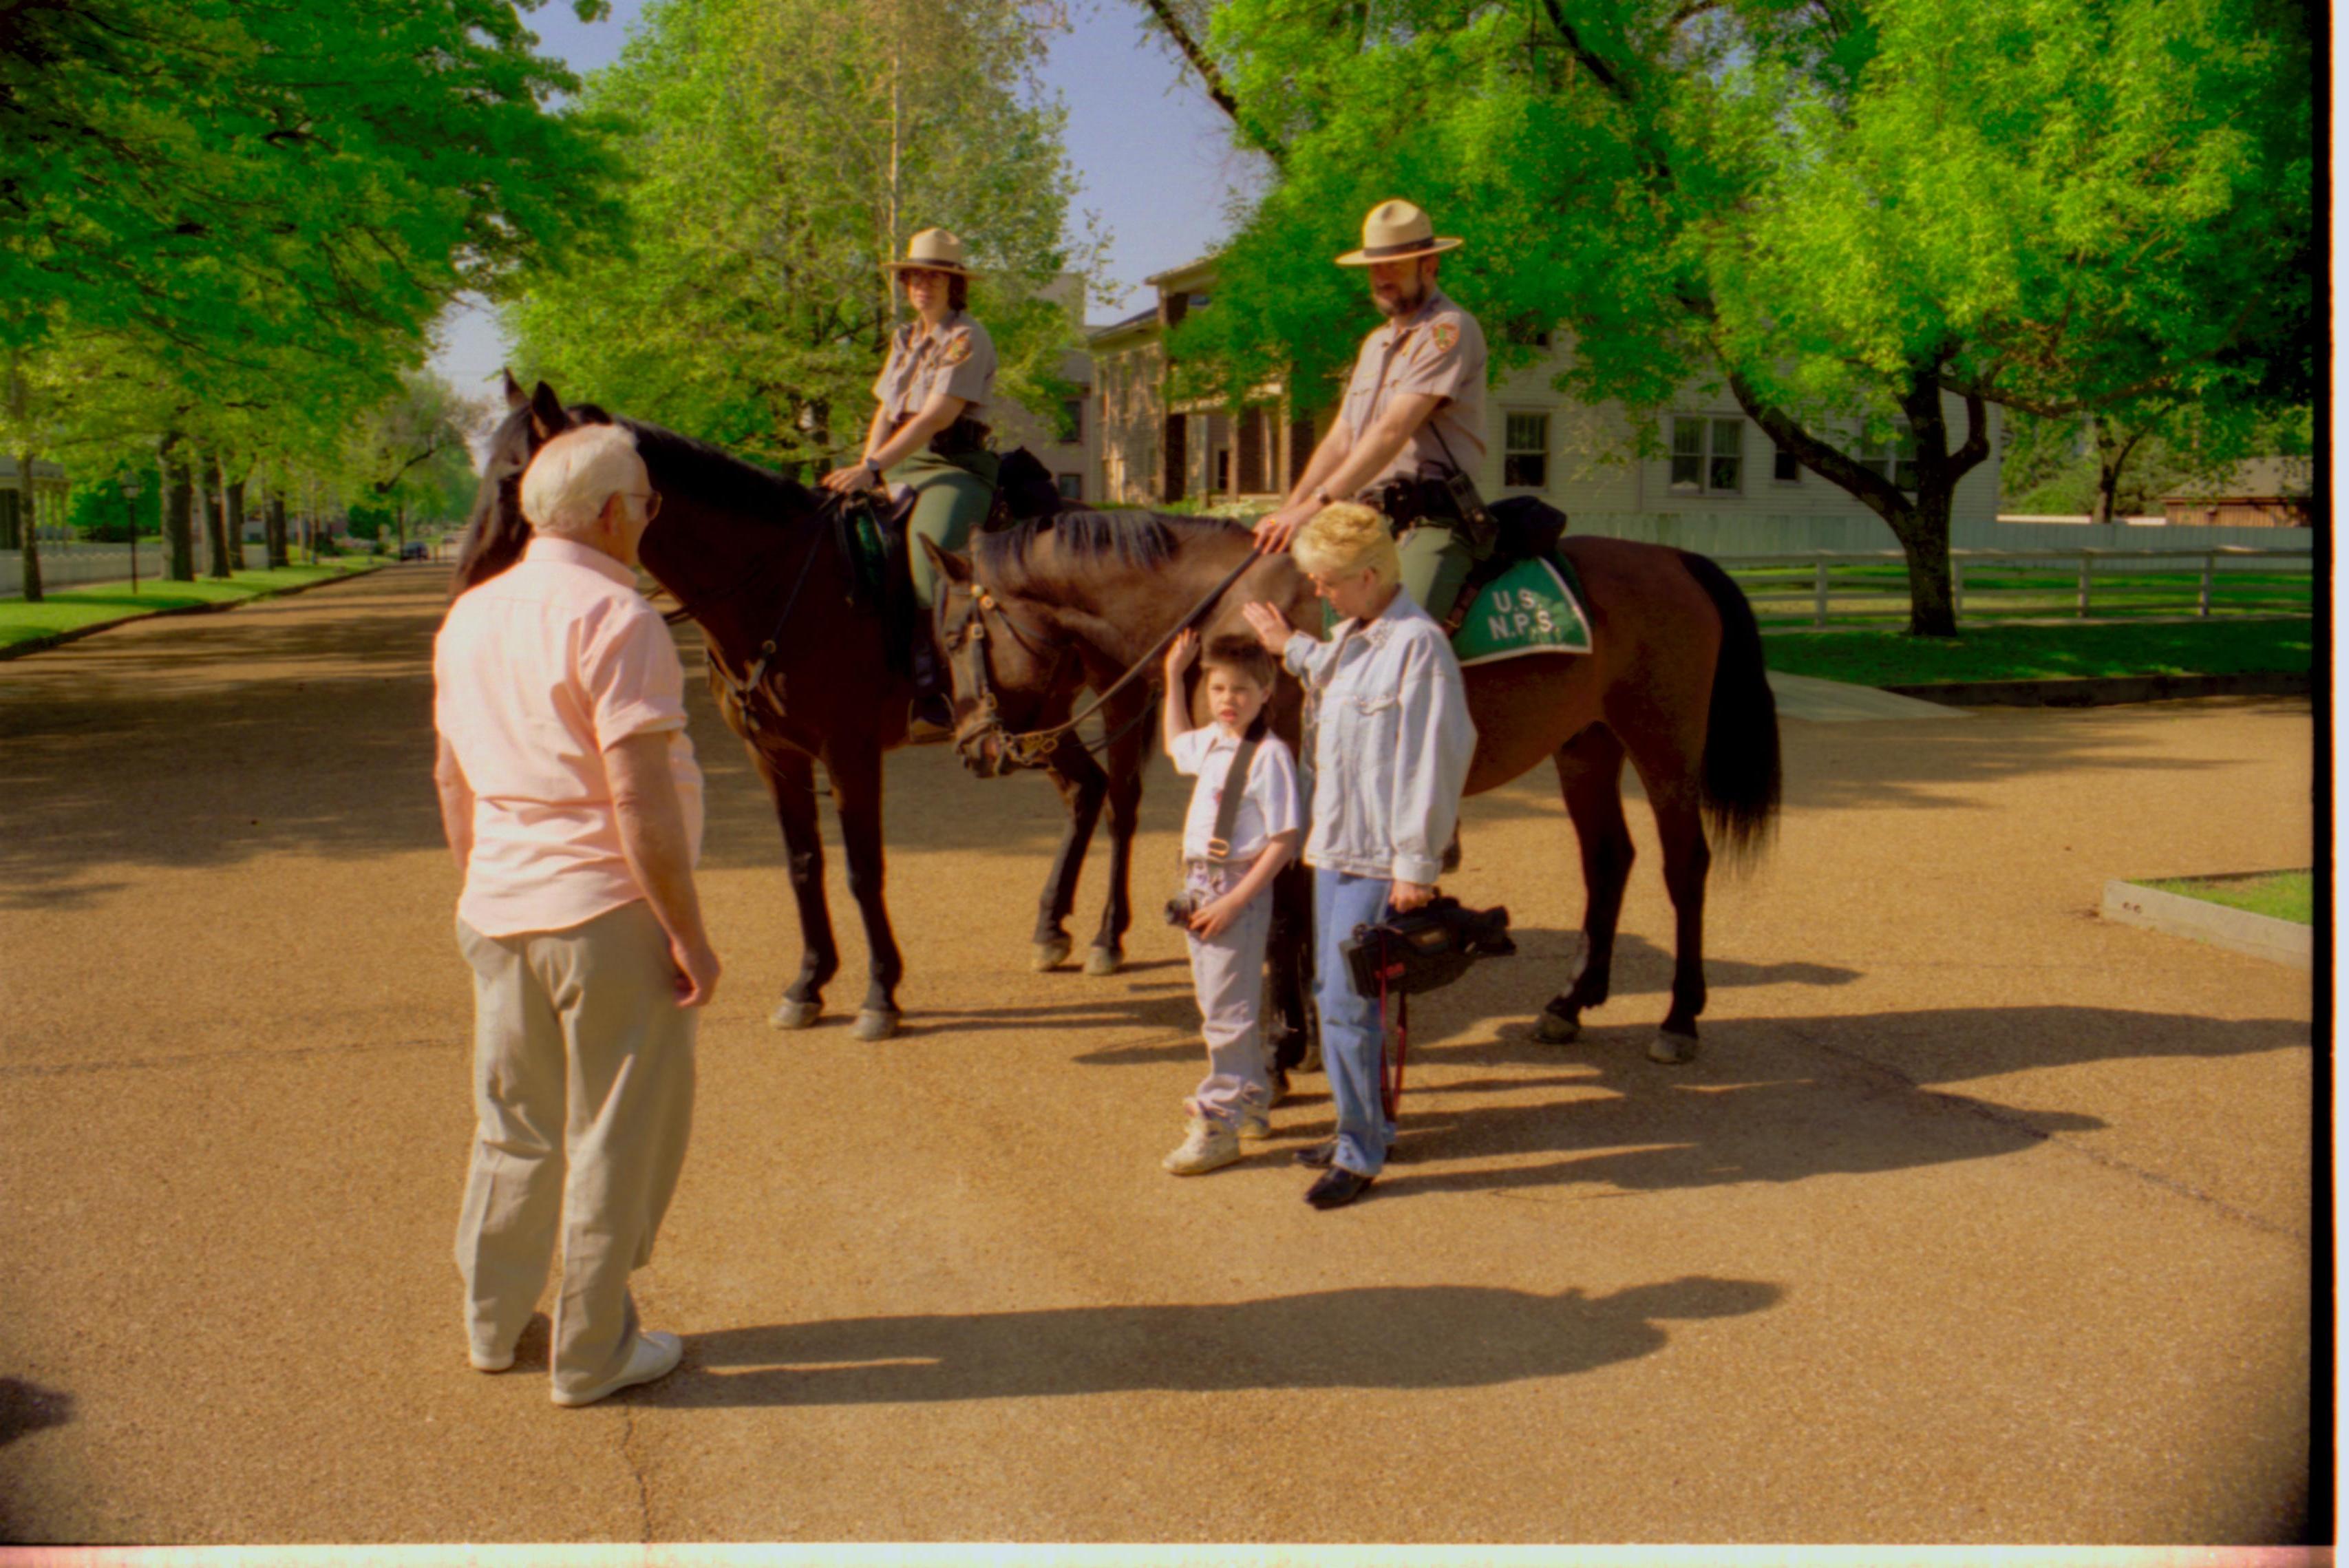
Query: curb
x=2238, y=930
x=58, y=639
x=2105, y=690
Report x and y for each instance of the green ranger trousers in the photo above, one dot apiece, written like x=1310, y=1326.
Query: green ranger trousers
x=1435, y=565
x=952, y=495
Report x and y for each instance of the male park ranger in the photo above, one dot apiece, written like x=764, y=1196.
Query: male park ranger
x=1412, y=425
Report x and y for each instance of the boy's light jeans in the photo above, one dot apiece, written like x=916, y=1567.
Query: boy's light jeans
x=1227, y=974
x=1353, y=1041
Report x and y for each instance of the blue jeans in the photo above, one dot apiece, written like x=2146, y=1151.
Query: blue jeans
x=1353, y=1041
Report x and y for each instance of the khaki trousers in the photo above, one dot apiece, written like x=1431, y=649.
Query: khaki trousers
x=583, y=1095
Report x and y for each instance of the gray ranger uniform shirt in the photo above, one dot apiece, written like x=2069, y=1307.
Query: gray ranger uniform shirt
x=1437, y=348
x=958, y=358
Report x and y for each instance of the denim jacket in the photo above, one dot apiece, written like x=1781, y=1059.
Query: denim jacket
x=1394, y=744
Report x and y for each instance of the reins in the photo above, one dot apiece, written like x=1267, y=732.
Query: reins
x=1030, y=746
x=745, y=690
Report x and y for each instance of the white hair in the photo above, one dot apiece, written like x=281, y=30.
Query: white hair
x=565, y=487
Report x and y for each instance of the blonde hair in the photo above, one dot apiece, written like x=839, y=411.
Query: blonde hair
x=1345, y=537
x=565, y=487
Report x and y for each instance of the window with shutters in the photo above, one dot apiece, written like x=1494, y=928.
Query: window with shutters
x=1073, y=486
x=1525, y=451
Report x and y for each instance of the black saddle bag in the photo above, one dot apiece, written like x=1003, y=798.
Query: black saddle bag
x=1525, y=526
x=1423, y=949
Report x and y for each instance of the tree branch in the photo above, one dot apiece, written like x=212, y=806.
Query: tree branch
x=1598, y=68
x=1211, y=78
x=1877, y=493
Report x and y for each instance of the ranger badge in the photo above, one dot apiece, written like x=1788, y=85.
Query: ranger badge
x=1445, y=334
x=958, y=349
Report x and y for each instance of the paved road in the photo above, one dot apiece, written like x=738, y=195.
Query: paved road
x=1981, y=1219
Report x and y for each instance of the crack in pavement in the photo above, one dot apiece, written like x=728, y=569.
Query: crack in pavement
x=2019, y=1121
x=150, y=1064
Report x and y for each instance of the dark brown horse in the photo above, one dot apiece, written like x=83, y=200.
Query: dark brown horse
x=1675, y=682
x=802, y=675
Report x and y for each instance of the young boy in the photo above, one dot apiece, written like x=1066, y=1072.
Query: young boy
x=1229, y=885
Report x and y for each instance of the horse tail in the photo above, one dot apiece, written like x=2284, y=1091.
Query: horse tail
x=1741, y=772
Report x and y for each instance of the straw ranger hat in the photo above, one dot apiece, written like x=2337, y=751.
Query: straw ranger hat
x=1396, y=231
x=932, y=250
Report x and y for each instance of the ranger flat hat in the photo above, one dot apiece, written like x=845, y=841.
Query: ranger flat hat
x=932, y=250
x=1396, y=231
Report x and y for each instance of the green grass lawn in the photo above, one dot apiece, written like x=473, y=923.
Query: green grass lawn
x=1874, y=657
x=1861, y=596
x=2282, y=895
x=69, y=610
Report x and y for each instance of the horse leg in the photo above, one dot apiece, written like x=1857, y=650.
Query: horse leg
x=1082, y=787
x=1127, y=755
x=790, y=782
x=1672, y=781
x=1590, y=776
x=1290, y=951
x=856, y=795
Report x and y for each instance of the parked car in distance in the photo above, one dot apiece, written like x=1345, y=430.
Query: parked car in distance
x=414, y=550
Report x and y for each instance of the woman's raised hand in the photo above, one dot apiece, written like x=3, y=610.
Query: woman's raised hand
x=1271, y=627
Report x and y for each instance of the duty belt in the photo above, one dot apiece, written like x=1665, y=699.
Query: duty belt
x=965, y=434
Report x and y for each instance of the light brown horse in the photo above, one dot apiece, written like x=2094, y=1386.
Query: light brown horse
x=1675, y=682
x=800, y=673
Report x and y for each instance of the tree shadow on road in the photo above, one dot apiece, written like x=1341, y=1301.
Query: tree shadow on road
x=1404, y=1337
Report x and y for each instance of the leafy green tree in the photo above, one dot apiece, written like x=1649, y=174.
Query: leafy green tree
x=779, y=151
x=2124, y=461
x=1888, y=213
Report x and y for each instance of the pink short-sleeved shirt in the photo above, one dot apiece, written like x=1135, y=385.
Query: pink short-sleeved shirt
x=536, y=674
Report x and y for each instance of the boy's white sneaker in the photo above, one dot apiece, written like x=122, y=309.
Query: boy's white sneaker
x=1255, y=1124
x=1207, y=1146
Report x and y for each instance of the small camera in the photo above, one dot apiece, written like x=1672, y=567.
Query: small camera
x=1180, y=908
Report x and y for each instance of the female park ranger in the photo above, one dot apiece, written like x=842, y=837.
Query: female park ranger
x=926, y=433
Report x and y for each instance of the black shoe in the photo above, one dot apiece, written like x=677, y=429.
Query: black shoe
x=1337, y=1188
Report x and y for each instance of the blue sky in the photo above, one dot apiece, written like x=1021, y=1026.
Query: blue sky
x=1152, y=154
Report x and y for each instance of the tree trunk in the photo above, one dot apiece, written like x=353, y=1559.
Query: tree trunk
x=28, y=529
x=235, y=496
x=1924, y=535
x=275, y=523
x=178, y=520
x=216, y=520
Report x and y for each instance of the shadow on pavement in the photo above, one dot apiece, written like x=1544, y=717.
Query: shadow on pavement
x=1427, y=1336
x=28, y=1407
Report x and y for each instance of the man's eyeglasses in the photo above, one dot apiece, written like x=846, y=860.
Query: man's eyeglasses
x=651, y=498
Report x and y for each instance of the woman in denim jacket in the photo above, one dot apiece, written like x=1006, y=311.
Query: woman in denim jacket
x=1391, y=752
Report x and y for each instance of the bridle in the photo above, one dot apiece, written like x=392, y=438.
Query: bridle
x=752, y=684
x=967, y=657
x=1029, y=747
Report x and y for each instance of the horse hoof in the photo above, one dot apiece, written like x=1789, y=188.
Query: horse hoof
x=1052, y=955
x=1670, y=1049
x=874, y=1024
x=791, y=1015
x=1100, y=962
x=1554, y=1029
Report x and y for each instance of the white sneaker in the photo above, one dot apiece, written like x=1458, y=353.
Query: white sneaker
x=484, y=1362
x=1208, y=1145
x=1254, y=1125
x=653, y=1357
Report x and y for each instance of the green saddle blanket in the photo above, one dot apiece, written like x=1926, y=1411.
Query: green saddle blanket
x=1533, y=607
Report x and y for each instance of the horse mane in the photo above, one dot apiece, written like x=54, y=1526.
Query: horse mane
x=713, y=475
x=1057, y=551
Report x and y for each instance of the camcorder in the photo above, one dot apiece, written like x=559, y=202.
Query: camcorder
x=1423, y=948
x=1181, y=906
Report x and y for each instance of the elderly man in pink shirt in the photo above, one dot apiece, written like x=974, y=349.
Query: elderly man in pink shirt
x=573, y=803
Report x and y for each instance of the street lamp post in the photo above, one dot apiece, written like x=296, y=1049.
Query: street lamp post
x=130, y=515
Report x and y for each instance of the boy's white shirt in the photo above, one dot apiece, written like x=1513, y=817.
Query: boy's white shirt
x=1271, y=805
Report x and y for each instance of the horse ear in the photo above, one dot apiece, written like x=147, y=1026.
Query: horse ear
x=515, y=396
x=547, y=418
x=953, y=567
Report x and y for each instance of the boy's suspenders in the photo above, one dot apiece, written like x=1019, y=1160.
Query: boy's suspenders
x=1228, y=809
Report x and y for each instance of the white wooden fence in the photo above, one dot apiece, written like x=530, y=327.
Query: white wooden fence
x=65, y=565
x=1885, y=595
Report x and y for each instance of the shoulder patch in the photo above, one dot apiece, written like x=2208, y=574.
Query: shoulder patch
x=958, y=349
x=1445, y=334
